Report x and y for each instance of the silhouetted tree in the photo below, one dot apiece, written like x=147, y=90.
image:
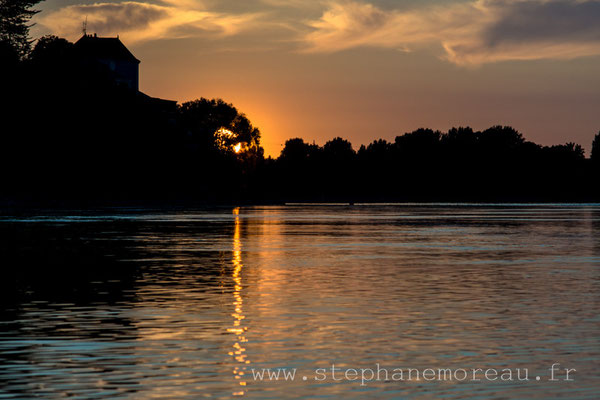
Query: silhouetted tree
x=377, y=152
x=14, y=24
x=338, y=150
x=565, y=152
x=461, y=147
x=9, y=56
x=217, y=125
x=420, y=141
x=337, y=168
x=596, y=149
x=462, y=136
x=296, y=169
x=51, y=48
x=296, y=152
x=220, y=143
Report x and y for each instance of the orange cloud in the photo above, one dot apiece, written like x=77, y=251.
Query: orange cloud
x=470, y=33
x=142, y=21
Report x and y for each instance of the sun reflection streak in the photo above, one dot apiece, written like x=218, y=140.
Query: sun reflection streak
x=238, y=328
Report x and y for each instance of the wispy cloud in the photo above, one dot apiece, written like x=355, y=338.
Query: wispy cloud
x=470, y=33
x=143, y=21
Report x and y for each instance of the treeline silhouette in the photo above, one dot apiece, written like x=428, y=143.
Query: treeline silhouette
x=496, y=164
x=71, y=133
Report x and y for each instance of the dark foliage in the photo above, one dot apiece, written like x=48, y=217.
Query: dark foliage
x=497, y=164
x=596, y=150
x=14, y=27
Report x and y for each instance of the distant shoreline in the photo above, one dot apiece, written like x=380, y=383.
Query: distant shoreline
x=19, y=205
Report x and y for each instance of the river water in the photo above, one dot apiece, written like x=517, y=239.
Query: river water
x=135, y=303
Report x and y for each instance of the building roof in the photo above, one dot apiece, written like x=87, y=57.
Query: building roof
x=104, y=48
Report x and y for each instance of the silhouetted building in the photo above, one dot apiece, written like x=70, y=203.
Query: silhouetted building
x=112, y=53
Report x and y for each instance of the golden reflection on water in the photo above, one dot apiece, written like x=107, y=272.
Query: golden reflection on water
x=451, y=287
x=238, y=316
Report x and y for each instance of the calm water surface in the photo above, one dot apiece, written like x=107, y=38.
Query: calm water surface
x=185, y=304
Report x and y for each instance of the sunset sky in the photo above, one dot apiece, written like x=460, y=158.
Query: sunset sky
x=363, y=70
